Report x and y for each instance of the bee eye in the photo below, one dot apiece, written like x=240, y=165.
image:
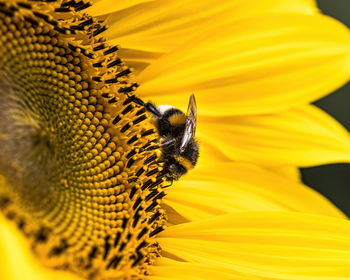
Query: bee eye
x=172, y=166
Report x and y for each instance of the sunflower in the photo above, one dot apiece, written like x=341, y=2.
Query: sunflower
x=80, y=190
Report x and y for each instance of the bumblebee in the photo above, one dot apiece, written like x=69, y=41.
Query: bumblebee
x=177, y=137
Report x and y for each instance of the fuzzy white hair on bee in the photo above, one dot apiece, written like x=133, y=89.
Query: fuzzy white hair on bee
x=163, y=108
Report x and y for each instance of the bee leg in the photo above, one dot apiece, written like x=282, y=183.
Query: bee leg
x=155, y=147
x=149, y=106
x=164, y=144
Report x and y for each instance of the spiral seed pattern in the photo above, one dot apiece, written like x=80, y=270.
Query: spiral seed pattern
x=77, y=178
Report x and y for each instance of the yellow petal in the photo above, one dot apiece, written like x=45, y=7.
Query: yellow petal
x=194, y=271
x=157, y=27
x=304, y=136
x=163, y=25
x=264, y=63
x=17, y=261
x=289, y=172
x=270, y=245
x=102, y=7
x=138, y=60
x=219, y=188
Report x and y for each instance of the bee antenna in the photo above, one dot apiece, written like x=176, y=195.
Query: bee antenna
x=149, y=106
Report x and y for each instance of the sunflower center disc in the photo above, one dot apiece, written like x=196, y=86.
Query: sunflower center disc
x=75, y=177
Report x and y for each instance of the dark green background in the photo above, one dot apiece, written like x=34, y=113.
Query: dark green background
x=333, y=181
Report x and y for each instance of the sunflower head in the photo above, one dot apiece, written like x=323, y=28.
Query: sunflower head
x=78, y=179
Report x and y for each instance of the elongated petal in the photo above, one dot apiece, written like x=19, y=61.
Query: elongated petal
x=271, y=245
x=102, y=7
x=289, y=172
x=219, y=188
x=163, y=25
x=16, y=260
x=254, y=65
x=210, y=151
x=304, y=136
x=194, y=271
x=153, y=28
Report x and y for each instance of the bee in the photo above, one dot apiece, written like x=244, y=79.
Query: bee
x=177, y=141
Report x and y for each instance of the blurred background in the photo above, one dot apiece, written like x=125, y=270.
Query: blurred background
x=333, y=181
